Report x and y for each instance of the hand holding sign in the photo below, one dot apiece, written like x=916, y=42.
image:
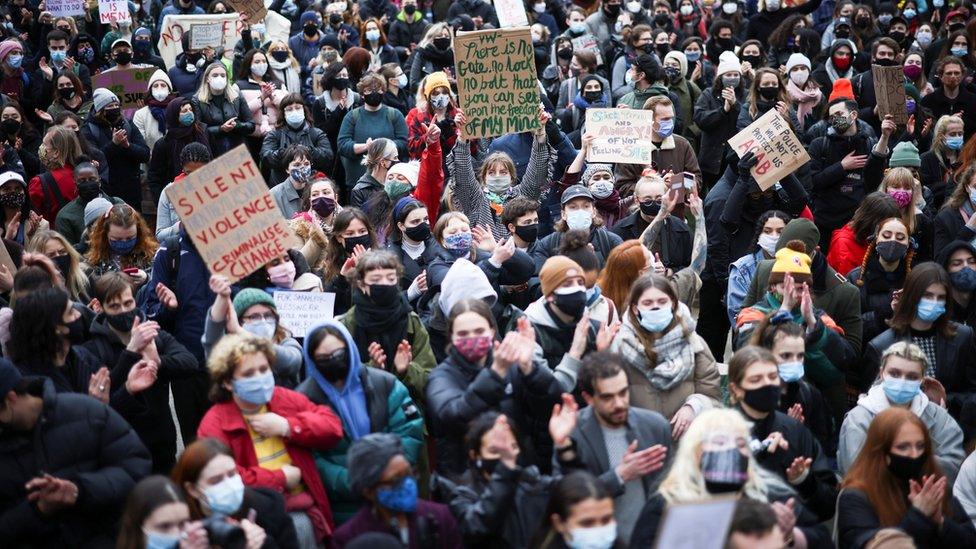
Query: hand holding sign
x=777, y=149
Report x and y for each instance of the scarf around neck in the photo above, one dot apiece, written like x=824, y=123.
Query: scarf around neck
x=805, y=100
x=384, y=325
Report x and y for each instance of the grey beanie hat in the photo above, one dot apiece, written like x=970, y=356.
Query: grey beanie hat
x=96, y=208
x=102, y=97
x=368, y=458
x=591, y=169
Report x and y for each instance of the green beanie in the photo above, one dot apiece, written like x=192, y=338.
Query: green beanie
x=801, y=229
x=251, y=296
x=905, y=155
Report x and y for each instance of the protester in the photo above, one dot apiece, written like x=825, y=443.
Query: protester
x=125, y=149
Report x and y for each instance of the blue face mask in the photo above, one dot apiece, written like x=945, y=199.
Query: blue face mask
x=155, y=540
x=226, y=496
x=909, y=13
x=959, y=52
x=15, y=60
x=666, y=127
x=458, y=244
x=402, y=498
x=255, y=389
x=954, y=143
x=929, y=310
x=791, y=372
x=300, y=175
x=186, y=118
x=900, y=391
x=655, y=320
x=964, y=280
x=295, y=118
x=122, y=246
x=693, y=56
x=58, y=57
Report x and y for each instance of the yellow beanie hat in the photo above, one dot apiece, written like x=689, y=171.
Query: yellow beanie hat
x=435, y=80
x=792, y=259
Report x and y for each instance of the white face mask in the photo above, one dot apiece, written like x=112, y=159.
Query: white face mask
x=799, y=77
x=218, y=83
x=597, y=537
x=730, y=7
x=160, y=94
x=258, y=69
x=498, y=184
x=633, y=7
x=772, y=5
x=768, y=243
x=602, y=188
x=686, y=10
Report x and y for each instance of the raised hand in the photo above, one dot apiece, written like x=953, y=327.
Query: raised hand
x=580, y=335
x=404, y=354
x=636, y=464
x=376, y=355
x=141, y=377
x=100, y=385
x=605, y=335
x=796, y=412
x=797, y=469
x=562, y=422
x=166, y=297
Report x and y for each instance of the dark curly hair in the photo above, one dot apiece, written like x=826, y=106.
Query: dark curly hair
x=761, y=222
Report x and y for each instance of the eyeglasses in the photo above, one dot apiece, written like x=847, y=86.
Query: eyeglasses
x=257, y=317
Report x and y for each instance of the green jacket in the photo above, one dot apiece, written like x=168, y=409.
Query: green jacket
x=415, y=378
x=636, y=98
x=70, y=221
x=391, y=410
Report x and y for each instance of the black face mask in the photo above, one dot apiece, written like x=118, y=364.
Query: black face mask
x=764, y=399
x=10, y=126
x=112, y=115
x=66, y=93
x=884, y=62
x=487, y=466
x=384, y=295
x=410, y=9
x=571, y=304
x=442, y=43
x=650, y=207
x=724, y=471
x=76, y=332
x=418, y=233
x=280, y=56
x=769, y=93
x=335, y=19
x=725, y=44
x=612, y=9
x=334, y=367
x=123, y=58
x=373, y=99
x=565, y=53
x=350, y=243
x=63, y=263
x=953, y=27
x=340, y=83
x=89, y=189
x=661, y=19
x=906, y=468
x=528, y=233
x=662, y=49
x=897, y=36
x=891, y=251
x=592, y=96
x=12, y=200
x=310, y=30
x=123, y=321
x=754, y=60
x=862, y=21
x=842, y=34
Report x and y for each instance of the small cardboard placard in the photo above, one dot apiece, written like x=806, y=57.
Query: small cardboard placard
x=301, y=311
x=511, y=13
x=130, y=84
x=700, y=525
x=230, y=215
x=254, y=9
x=778, y=149
x=889, y=91
x=113, y=11
x=207, y=35
x=623, y=136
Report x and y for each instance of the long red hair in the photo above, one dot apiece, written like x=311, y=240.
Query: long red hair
x=869, y=473
x=624, y=265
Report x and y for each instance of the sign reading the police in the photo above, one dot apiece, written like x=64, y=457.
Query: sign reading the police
x=113, y=11
x=778, y=150
x=623, y=136
x=889, y=89
x=301, y=311
x=129, y=84
x=497, y=82
x=65, y=8
x=230, y=215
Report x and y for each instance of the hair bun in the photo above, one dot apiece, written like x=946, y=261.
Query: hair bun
x=573, y=240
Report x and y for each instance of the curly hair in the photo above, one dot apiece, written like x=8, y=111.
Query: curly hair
x=122, y=215
x=761, y=222
x=228, y=354
x=34, y=336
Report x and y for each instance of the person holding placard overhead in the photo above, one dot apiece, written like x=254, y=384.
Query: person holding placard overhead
x=670, y=152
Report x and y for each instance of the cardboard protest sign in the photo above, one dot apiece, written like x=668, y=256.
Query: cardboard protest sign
x=208, y=35
x=301, y=311
x=171, y=34
x=588, y=42
x=511, y=13
x=700, y=525
x=779, y=151
x=254, y=9
x=65, y=8
x=623, y=136
x=113, y=11
x=497, y=83
x=231, y=217
x=130, y=85
x=889, y=91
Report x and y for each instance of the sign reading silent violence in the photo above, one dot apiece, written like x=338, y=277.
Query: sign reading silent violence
x=497, y=83
x=623, y=136
x=230, y=215
x=301, y=311
x=129, y=84
x=777, y=148
x=889, y=90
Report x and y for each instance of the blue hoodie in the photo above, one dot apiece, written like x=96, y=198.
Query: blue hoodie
x=350, y=403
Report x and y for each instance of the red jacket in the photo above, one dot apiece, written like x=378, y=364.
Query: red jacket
x=845, y=251
x=430, y=182
x=313, y=427
x=46, y=204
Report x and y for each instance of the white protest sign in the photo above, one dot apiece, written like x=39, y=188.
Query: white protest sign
x=301, y=311
x=171, y=34
x=65, y=8
x=113, y=11
x=700, y=525
x=210, y=35
x=623, y=136
x=511, y=13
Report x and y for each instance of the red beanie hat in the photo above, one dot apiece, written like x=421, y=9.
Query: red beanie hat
x=842, y=88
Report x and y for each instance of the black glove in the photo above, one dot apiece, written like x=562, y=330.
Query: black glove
x=747, y=161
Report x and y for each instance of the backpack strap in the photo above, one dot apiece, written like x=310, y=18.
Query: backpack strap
x=52, y=193
x=173, y=248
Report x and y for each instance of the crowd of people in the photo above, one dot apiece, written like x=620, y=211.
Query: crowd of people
x=527, y=349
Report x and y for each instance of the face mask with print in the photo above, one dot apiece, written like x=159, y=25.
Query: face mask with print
x=226, y=496
x=929, y=310
x=725, y=471
x=594, y=537
x=900, y=391
x=473, y=348
x=655, y=320
x=255, y=389
x=579, y=220
x=602, y=189
x=901, y=197
x=396, y=189
x=964, y=279
x=441, y=101
x=300, y=175
x=458, y=244
x=261, y=328
x=791, y=372
x=498, y=184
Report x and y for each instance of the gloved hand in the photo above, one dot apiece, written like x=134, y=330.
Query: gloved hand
x=747, y=161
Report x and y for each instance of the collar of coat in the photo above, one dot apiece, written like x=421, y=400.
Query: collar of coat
x=665, y=145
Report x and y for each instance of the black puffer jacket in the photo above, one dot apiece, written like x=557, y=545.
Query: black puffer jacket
x=124, y=163
x=218, y=110
x=837, y=192
x=876, y=286
x=79, y=439
x=716, y=125
x=458, y=391
x=275, y=143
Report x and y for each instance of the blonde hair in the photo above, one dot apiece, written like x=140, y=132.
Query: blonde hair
x=684, y=482
x=904, y=350
x=64, y=144
x=203, y=92
x=497, y=158
x=291, y=56
x=938, y=134
x=77, y=282
x=228, y=354
x=904, y=177
x=433, y=32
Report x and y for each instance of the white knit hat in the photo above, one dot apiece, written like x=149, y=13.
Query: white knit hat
x=159, y=76
x=727, y=62
x=680, y=57
x=797, y=60
x=410, y=170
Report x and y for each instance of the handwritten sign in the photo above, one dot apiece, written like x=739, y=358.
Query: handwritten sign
x=588, y=42
x=779, y=151
x=254, y=9
x=622, y=135
x=889, y=91
x=130, y=85
x=511, y=13
x=497, y=83
x=209, y=35
x=65, y=8
x=301, y=311
x=700, y=525
x=113, y=11
x=230, y=215
x=171, y=35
